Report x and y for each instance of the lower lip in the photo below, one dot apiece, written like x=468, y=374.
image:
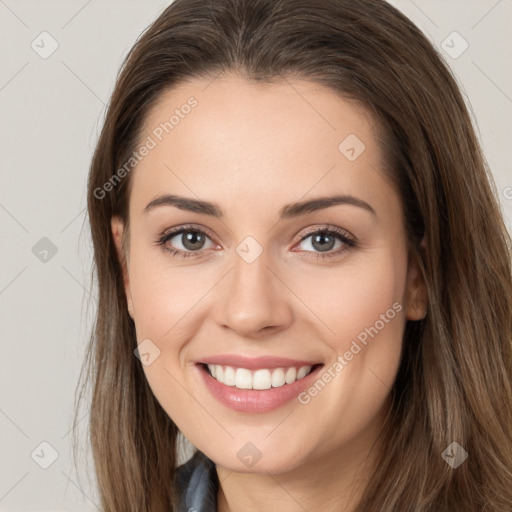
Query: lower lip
x=255, y=400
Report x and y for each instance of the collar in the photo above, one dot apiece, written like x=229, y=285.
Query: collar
x=197, y=484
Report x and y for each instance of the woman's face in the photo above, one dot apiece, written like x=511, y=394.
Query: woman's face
x=265, y=279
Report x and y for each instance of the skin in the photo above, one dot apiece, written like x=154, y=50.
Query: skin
x=253, y=149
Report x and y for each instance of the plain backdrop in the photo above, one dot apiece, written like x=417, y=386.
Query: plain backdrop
x=52, y=108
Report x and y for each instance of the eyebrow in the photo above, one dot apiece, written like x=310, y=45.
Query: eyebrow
x=287, y=212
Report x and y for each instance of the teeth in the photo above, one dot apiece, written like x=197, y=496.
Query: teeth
x=243, y=379
x=278, y=378
x=264, y=378
x=291, y=375
x=303, y=371
x=229, y=376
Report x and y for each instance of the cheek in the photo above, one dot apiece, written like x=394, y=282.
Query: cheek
x=163, y=295
x=163, y=302
x=349, y=299
x=341, y=308
x=363, y=309
x=342, y=302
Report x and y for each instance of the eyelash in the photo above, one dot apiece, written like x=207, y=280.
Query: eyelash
x=340, y=234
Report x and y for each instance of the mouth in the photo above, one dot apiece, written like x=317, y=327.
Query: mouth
x=256, y=384
x=259, y=389
x=258, y=379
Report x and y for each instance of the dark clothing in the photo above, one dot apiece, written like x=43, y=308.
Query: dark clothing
x=197, y=483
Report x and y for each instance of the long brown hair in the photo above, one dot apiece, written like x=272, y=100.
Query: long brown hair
x=454, y=382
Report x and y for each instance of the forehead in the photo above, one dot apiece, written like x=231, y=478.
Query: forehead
x=209, y=137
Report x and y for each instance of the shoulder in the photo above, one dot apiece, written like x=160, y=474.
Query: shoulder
x=197, y=484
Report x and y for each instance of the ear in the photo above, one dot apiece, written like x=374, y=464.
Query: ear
x=416, y=289
x=117, y=227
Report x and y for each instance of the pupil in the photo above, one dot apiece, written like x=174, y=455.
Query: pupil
x=193, y=240
x=323, y=246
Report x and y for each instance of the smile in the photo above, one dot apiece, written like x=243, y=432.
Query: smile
x=270, y=383
x=263, y=378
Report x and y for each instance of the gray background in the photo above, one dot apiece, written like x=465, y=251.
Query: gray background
x=51, y=113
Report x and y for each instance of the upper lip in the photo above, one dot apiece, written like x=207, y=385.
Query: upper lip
x=253, y=363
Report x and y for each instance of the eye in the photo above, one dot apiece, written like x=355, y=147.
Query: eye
x=324, y=240
x=189, y=240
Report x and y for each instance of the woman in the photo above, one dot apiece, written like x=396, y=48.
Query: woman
x=302, y=268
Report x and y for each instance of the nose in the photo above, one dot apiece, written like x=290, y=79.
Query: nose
x=253, y=299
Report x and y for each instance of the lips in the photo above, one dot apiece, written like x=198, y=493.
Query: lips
x=266, y=395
